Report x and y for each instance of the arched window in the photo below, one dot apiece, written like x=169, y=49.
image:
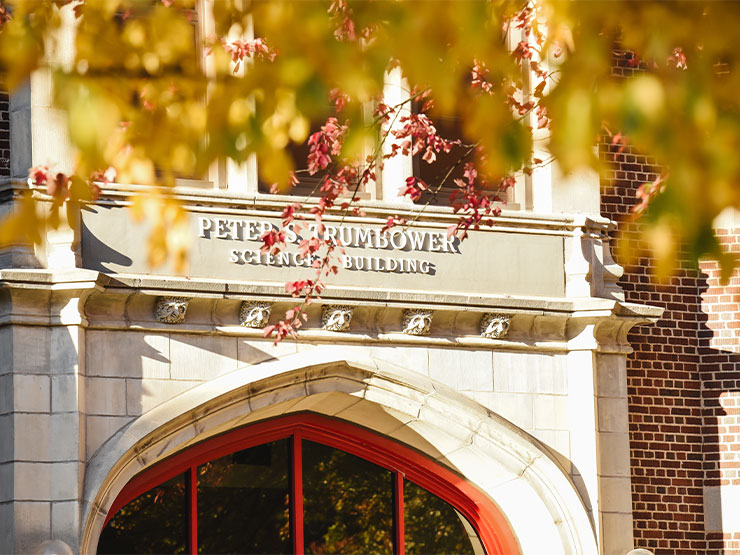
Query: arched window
x=302, y=484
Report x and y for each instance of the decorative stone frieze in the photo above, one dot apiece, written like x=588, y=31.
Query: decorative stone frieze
x=495, y=326
x=254, y=314
x=542, y=324
x=416, y=321
x=336, y=317
x=171, y=310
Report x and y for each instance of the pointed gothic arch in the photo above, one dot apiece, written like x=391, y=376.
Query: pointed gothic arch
x=522, y=481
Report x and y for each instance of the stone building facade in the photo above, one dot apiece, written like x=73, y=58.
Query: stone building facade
x=503, y=366
x=109, y=373
x=500, y=361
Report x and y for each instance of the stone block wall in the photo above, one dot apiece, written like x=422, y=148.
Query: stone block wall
x=4, y=133
x=528, y=389
x=40, y=461
x=574, y=403
x=577, y=412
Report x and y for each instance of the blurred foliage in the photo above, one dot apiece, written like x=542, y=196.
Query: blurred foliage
x=155, y=93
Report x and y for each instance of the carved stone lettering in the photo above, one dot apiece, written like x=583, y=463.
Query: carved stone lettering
x=227, y=247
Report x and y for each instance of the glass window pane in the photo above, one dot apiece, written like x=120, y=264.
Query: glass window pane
x=432, y=525
x=433, y=174
x=243, y=501
x=152, y=523
x=347, y=503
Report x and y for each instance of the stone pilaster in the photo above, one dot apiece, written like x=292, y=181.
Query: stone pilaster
x=41, y=414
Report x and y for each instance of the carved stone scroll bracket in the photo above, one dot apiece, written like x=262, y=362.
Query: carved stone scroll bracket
x=254, y=314
x=416, y=321
x=336, y=317
x=171, y=310
x=494, y=325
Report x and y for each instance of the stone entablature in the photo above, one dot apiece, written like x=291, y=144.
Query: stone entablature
x=521, y=254
x=127, y=302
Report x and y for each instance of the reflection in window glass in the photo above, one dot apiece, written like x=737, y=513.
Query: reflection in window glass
x=243, y=501
x=347, y=503
x=152, y=523
x=452, y=162
x=434, y=526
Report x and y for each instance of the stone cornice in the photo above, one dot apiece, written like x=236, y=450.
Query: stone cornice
x=100, y=301
x=228, y=202
x=44, y=298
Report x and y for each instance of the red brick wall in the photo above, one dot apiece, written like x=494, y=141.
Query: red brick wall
x=663, y=379
x=720, y=303
x=4, y=134
x=721, y=384
x=683, y=377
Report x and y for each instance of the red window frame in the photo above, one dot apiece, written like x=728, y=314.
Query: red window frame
x=486, y=518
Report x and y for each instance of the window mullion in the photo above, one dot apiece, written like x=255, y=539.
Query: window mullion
x=296, y=494
x=191, y=493
x=398, y=514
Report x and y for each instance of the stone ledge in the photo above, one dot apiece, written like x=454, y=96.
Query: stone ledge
x=224, y=201
x=100, y=301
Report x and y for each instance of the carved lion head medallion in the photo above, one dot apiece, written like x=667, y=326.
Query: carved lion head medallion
x=336, y=317
x=416, y=321
x=255, y=314
x=495, y=326
x=171, y=310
